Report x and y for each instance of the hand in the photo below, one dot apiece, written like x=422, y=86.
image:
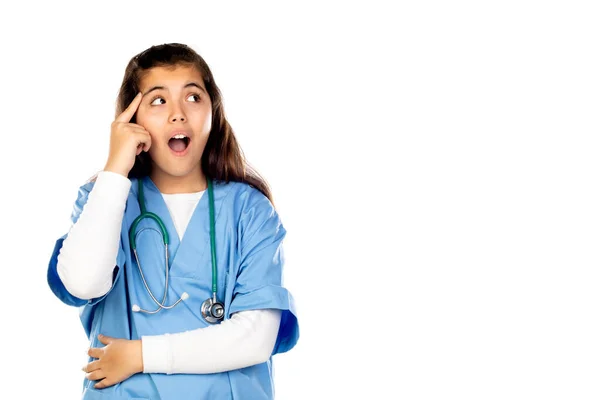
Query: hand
x=117, y=361
x=127, y=140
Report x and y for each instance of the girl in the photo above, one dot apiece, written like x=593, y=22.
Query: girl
x=175, y=253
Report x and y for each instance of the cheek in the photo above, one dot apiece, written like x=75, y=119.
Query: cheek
x=207, y=122
x=146, y=116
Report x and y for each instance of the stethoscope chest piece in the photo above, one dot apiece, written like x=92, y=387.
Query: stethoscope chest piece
x=212, y=310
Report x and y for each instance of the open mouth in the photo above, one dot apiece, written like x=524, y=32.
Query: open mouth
x=179, y=143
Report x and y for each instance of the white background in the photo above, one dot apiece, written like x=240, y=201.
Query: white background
x=435, y=164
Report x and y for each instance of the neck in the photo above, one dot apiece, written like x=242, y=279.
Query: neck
x=193, y=182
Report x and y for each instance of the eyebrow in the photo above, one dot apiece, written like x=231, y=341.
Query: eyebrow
x=186, y=86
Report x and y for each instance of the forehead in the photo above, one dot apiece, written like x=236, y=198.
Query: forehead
x=174, y=77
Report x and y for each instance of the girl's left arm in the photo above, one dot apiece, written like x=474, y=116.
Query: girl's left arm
x=246, y=339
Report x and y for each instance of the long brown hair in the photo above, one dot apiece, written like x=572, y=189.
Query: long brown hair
x=222, y=158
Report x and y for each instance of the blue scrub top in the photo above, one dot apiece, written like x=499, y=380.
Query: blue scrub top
x=249, y=236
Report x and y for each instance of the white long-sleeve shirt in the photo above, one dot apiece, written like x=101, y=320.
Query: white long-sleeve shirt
x=85, y=266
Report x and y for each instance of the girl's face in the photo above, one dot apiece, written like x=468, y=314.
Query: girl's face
x=174, y=102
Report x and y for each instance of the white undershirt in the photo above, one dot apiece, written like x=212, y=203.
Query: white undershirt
x=85, y=266
x=181, y=207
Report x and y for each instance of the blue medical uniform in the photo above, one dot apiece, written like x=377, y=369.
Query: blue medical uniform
x=249, y=251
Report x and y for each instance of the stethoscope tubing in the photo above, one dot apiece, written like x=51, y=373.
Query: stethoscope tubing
x=208, y=304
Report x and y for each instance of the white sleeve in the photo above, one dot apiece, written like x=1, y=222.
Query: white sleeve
x=248, y=338
x=88, y=255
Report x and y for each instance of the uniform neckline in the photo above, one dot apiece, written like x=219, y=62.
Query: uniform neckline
x=184, y=195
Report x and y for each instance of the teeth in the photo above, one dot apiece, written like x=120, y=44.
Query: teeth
x=180, y=136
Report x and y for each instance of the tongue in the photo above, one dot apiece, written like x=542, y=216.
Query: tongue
x=177, y=145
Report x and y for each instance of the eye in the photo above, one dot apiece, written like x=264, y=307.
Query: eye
x=154, y=99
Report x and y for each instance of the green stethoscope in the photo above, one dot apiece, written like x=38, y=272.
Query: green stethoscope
x=212, y=310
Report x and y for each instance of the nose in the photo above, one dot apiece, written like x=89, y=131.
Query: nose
x=177, y=114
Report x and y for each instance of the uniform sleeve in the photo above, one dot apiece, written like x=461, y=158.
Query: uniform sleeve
x=54, y=281
x=259, y=283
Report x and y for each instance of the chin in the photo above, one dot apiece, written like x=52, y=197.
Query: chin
x=181, y=171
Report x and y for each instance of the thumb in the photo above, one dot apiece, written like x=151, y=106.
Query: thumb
x=105, y=339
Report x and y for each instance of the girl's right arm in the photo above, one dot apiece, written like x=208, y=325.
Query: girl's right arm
x=88, y=255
